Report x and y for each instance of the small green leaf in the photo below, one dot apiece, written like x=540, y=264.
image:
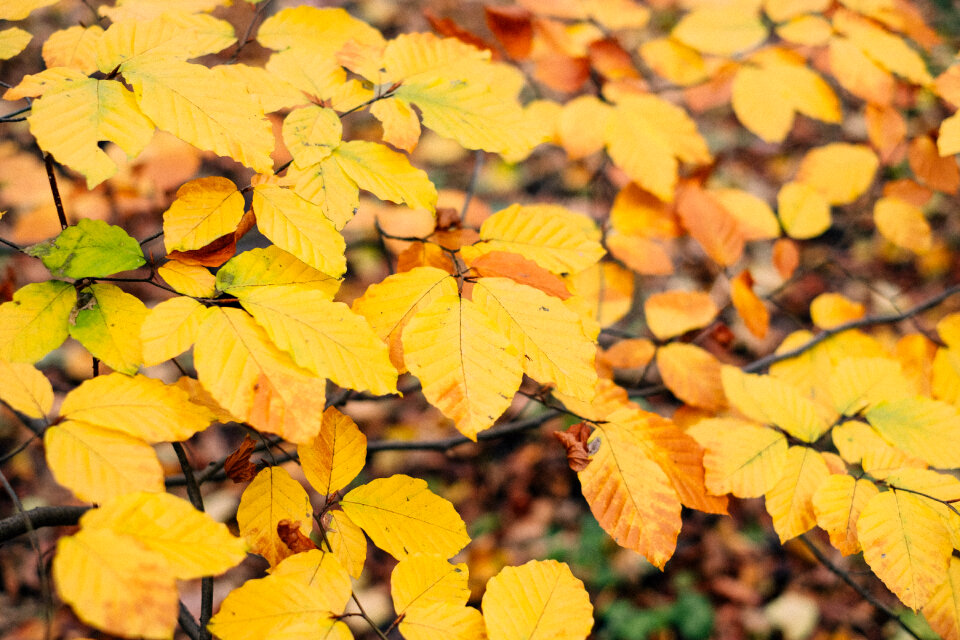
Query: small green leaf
x=89, y=249
x=107, y=322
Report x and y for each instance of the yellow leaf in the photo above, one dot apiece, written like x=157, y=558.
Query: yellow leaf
x=809, y=30
x=468, y=369
x=906, y=545
x=675, y=61
x=108, y=324
x=857, y=443
x=386, y=173
x=311, y=133
x=12, y=41
x=205, y=209
x=673, y=313
x=858, y=73
x=199, y=395
x=942, y=610
x=139, y=406
x=347, y=541
x=721, y=31
x=191, y=542
x=271, y=497
x=323, y=337
x=300, y=227
x=945, y=382
x=938, y=490
x=327, y=186
x=838, y=504
x=20, y=9
x=390, y=304
x=442, y=621
x=311, y=29
x=203, y=108
x=271, y=92
x=170, y=37
x=790, y=501
x=539, y=600
x=948, y=142
x=861, y=383
x=903, y=224
x=25, y=389
x=554, y=237
x=401, y=125
x=98, y=464
x=748, y=304
x=420, y=580
x=549, y=336
x=188, y=279
x=888, y=50
x=271, y=267
x=922, y=427
x=740, y=457
x=144, y=9
x=255, y=381
x=74, y=47
x=841, y=172
x=647, y=136
x=775, y=402
x=402, y=516
x=170, y=328
x=312, y=73
x=804, y=212
x=335, y=457
x=629, y=494
x=581, y=126
x=106, y=576
x=603, y=295
x=71, y=119
x=692, y=374
x=756, y=219
x=829, y=310
x=780, y=10
x=419, y=57
x=277, y=607
x=321, y=570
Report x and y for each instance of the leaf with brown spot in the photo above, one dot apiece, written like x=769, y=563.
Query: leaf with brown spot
x=218, y=251
x=289, y=531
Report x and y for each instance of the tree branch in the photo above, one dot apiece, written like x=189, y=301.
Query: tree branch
x=196, y=499
x=38, y=518
x=52, y=179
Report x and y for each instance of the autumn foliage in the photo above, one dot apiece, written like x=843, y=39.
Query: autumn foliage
x=247, y=230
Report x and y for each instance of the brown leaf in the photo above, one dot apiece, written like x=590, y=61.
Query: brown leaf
x=513, y=29
x=289, y=532
x=237, y=466
x=218, y=251
x=450, y=29
x=519, y=269
x=422, y=254
x=574, y=440
x=448, y=218
x=611, y=60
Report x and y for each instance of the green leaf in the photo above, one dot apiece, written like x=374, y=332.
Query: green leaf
x=34, y=323
x=108, y=325
x=89, y=249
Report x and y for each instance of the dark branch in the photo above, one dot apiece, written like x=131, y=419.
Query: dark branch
x=40, y=517
x=55, y=190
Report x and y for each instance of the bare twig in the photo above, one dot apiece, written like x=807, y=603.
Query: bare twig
x=38, y=518
x=52, y=179
x=866, y=595
x=245, y=39
x=187, y=623
x=196, y=499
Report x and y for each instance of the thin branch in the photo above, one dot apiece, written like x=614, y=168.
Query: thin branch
x=12, y=116
x=35, y=543
x=187, y=623
x=12, y=245
x=38, y=518
x=245, y=39
x=196, y=499
x=18, y=449
x=52, y=179
x=151, y=238
x=866, y=595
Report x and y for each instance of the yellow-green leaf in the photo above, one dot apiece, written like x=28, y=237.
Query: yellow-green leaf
x=70, y=120
x=906, y=544
x=334, y=458
x=541, y=600
x=89, y=249
x=277, y=607
x=925, y=428
x=170, y=328
x=205, y=209
x=326, y=185
x=271, y=497
x=324, y=337
x=299, y=227
x=98, y=464
x=271, y=267
x=837, y=504
x=191, y=542
x=255, y=381
x=549, y=336
x=25, y=389
x=420, y=580
x=628, y=493
x=106, y=577
x=311, y=134
x=772, y=401
x=857, y=443
x=402, y=516
x=468, y=369
x=554, y=237
x=862, y=383
x=390, y=304
x=108, y=324
x=740, y=457
x=203, y=108
x=386, y=174
x=34, y=323
x=139, y=406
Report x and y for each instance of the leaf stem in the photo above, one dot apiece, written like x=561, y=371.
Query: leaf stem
x=52, y=179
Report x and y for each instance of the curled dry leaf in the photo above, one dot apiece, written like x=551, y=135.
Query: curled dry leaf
x=574, y=440
x=289, y=532
x=237, y=466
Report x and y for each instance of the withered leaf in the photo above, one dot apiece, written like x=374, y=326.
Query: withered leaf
x=289, y=532
x=574, y=440
x=237, y=466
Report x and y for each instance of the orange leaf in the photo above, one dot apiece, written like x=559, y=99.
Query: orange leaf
x=710, y=224
x=291, y=535
x=673, y=313
x=750, y=307
x=519, y=269
x=513, y=29
x=692, y=374
x=940, y=173
x=786, y=257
